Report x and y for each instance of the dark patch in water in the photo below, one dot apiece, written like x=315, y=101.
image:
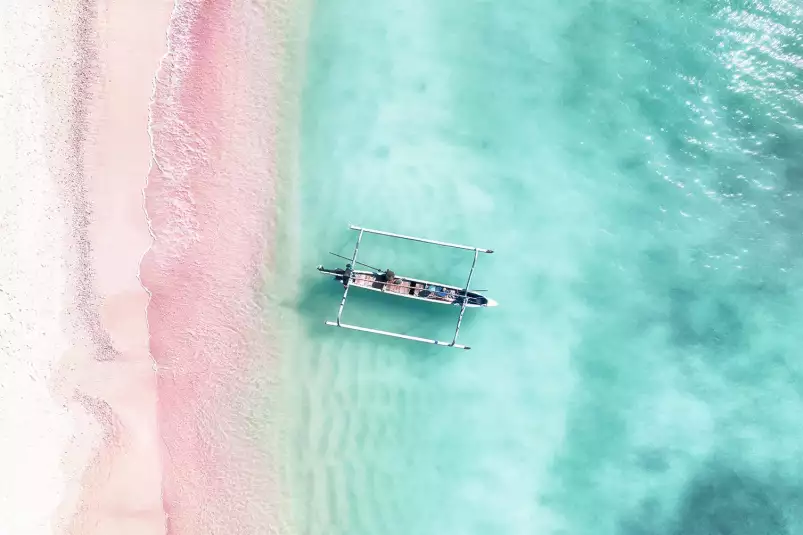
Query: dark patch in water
x=382, y=152
x=642, y=521
x=726, y=502
x=634, y=163
x=653, y=461
x=793, y=177
x=705, y=320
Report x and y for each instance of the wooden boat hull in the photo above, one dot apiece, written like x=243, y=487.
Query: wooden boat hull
x=421, y=290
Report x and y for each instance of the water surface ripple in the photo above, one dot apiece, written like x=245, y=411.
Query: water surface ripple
x=637, y=168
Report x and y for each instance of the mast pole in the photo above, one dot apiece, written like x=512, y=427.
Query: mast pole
x=465, y=298
x=348, y=280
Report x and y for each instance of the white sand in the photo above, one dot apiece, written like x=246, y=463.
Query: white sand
x=34, y=428
x=110, y=462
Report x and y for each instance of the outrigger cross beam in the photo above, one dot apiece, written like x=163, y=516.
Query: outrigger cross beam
x=389, y=282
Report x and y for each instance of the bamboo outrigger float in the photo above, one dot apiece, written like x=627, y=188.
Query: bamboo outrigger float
x=390, y=283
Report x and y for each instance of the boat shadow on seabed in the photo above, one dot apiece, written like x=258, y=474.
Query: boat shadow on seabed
x=418, y=290
x=321, y=298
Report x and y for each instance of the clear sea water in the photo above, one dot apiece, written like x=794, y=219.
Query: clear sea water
x=638, y=168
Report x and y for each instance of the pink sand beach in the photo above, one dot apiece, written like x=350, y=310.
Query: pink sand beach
x=109, y=372
x=174, y=344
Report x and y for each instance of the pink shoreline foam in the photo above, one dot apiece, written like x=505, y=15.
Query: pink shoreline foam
x=209, y=200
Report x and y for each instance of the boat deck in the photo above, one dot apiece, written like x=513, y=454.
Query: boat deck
x=402, y=287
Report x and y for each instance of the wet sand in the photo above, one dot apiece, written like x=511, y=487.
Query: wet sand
x=108, y=376
x=172, y=388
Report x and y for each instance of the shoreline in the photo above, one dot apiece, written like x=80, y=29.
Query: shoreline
x=281, y=282
x=211, y=203
x=177, y=426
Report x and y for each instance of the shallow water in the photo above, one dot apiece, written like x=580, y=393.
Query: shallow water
x=636, y=167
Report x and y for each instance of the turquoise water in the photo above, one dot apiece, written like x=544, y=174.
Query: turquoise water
x=637, y=167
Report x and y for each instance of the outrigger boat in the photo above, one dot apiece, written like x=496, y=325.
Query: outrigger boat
x=388, y=282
